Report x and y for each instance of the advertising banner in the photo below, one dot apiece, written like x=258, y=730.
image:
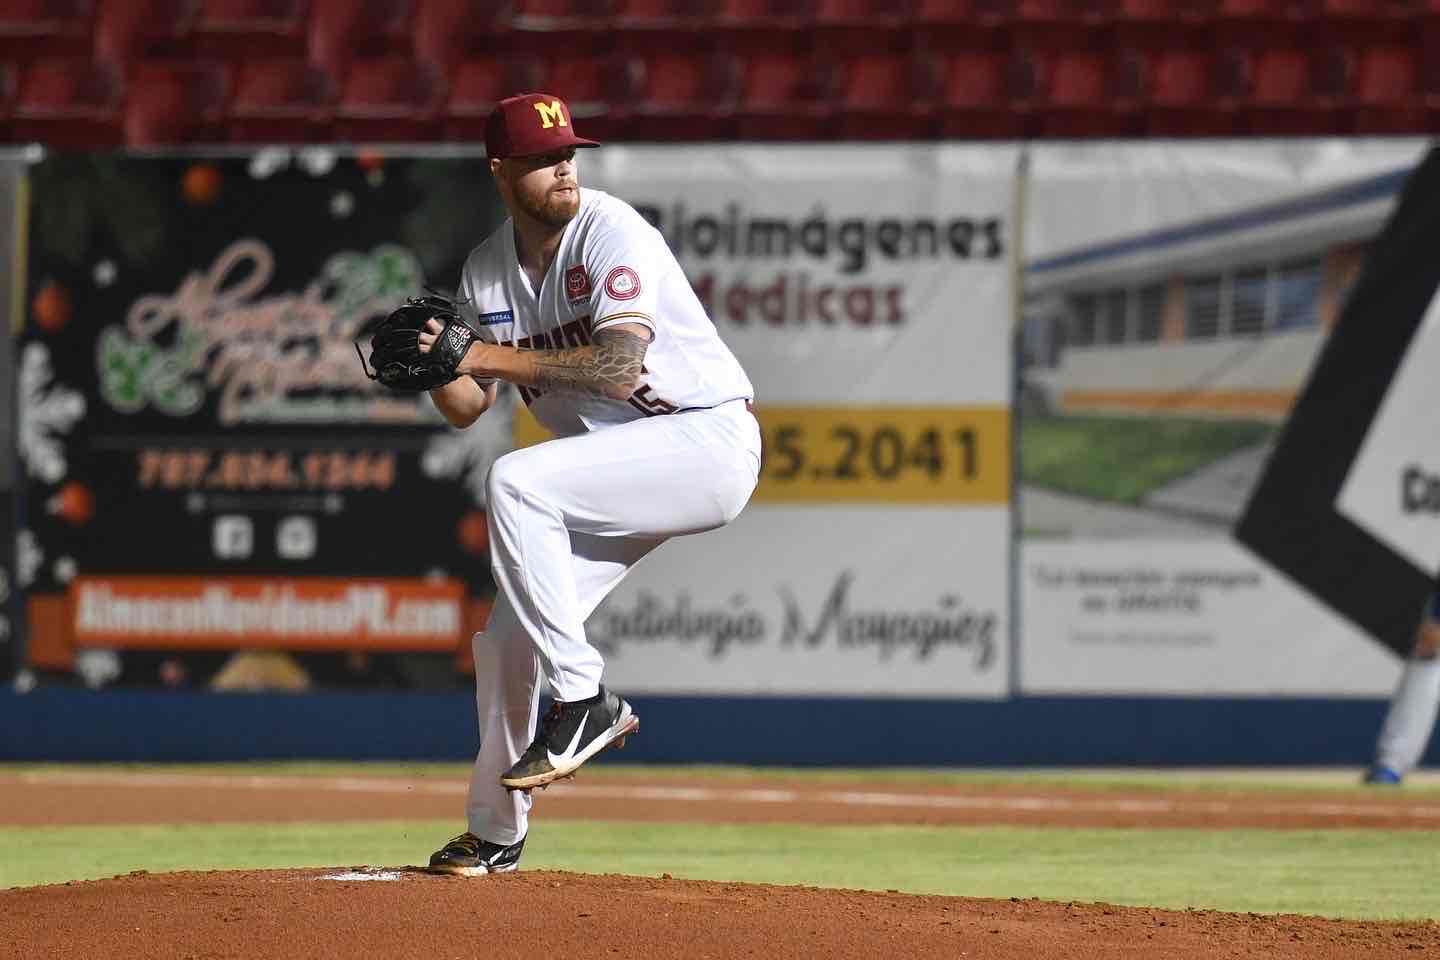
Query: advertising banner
x=201, y=446
x=1177, y=301
x=193, y=412
x=867, y=291
x=1341, y=506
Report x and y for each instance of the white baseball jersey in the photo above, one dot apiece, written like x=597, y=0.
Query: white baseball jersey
x=612, y=267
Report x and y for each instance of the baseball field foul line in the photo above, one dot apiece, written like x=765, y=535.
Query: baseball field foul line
x=854, y=798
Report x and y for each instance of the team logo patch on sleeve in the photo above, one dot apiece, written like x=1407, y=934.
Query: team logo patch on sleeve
x=622, y=283
x=577, y=282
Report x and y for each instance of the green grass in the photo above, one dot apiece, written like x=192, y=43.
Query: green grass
x=1351, y=873
x=1121, y=459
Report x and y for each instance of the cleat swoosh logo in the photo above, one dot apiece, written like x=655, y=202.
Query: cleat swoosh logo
x=556, y=759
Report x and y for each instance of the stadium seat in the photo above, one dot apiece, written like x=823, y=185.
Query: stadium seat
x=1387, y=92
x=783, y=97
x=175, y=103
x=751, y=27
x=945, y=25
x=680, y=96
x=280, y=101
x=127, y=30
x=546, y=27
x=246, y=29
x=984, y=95
x=1153, y=24
x=1186, y=93
x=859, y=27
x=9, y=80
x=1086, y=95
x=448, y=31
x=68, y=103
x=593, y=87
x=1056, y=24
x=476, y=86
x=886, y=97
x=645, y=27
x=32, y=29
x=389, y=99
x=1292, y=91
x=344, y=29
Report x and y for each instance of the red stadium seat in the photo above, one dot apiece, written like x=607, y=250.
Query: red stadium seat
x=8, y=82
x=388, y=99
x=127, y=30
x=593, y=87
x=448, y=31
x=31, y=29
x=1082, y=95
x=680, y=96
x=1157, y=24
x=1184, y=94
x=1293, y=92
x=1056, y=24
x=661, y=26
x=959, y=25
x=175, y=103
x=546, y=27
x=476, y=86
x=983, y=95
x=280, y=101
x=1254, y=23
x=251, y=28
x=69, y=103
x=783, y=97
x=344, y=29
x=760, y=26
x=1388, y=93
x=859, y=27
x=886, y=97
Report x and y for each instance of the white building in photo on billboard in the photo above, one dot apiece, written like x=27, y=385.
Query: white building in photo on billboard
x=1217, y=317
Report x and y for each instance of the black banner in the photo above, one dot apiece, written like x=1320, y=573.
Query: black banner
x=191, y=395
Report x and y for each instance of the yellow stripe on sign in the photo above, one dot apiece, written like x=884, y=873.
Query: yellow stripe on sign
x=885, y=455
x=871, y=455
x=526, y=431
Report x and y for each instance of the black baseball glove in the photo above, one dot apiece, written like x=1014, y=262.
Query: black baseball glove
x=395, y=346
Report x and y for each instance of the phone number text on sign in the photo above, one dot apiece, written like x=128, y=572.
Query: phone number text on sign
x=182, y=469
x=886, y=454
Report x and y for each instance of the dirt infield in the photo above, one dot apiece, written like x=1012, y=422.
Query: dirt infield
x=50, y=797
x=401, y=912
x=302, y=913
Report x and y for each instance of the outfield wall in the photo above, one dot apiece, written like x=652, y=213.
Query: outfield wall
x=1015, y=398
x=143, y=726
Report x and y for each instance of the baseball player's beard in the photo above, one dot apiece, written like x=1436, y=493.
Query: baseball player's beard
x=550, y=210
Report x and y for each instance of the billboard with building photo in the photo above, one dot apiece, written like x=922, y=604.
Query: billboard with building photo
x=1177, y=298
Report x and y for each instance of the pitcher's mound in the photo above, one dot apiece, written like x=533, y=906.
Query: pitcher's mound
x=401, y=912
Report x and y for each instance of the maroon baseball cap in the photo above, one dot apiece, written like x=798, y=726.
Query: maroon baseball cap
x=530, y=124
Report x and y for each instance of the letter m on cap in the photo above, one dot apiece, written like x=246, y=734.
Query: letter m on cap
x=552, y=114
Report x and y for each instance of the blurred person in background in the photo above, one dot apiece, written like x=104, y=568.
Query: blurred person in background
x=1413, y=705
x=578, y=302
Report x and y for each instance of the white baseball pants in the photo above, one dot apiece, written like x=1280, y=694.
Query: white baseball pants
x=568, y=520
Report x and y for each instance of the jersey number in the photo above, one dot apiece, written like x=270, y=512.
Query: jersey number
x=644, y=400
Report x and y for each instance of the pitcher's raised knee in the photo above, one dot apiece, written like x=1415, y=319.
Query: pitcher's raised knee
x=506, y=480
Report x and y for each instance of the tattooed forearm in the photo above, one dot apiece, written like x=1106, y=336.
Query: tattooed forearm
x=610, y=367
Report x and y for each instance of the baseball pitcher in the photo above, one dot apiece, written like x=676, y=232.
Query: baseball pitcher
x=578, y=302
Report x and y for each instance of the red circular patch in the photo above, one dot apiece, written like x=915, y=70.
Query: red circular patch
x=622, y=283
